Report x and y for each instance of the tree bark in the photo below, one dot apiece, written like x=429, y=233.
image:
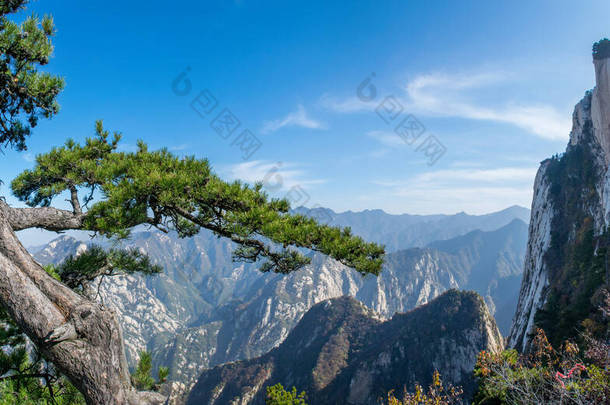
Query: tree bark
x=80, y=337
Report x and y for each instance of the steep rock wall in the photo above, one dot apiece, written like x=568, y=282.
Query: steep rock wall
x=566, y=206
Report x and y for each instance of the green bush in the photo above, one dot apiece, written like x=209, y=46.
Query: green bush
x=576, y=258
x=25, y=378
x=543, y=376
x=601, y=49
x=142, y=378
x=437, y=394
x=277, y=395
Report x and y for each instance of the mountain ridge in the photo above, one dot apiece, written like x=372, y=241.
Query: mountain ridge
x=205, y=310
x=341, y=353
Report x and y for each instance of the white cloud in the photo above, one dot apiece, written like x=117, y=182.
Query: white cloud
x=387, y=138
x=451, y=95
x=276, y=176
x=298, y=118
x=444, y=95
x=180, y=147
x=504, y=175
x=472, y=190
x=348, y=105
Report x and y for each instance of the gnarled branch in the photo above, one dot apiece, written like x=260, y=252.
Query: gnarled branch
x=49, y=218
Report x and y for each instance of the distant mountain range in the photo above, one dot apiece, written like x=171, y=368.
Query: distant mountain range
x=342, y=353
x=205, y=310
x=404, y=231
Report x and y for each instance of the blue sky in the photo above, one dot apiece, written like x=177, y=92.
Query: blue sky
x=493, y=82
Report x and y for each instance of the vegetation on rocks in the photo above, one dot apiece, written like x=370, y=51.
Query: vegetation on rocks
x=577, y=256
x=437, y=394
x=277, y=395
x=142, y=377
x=26, y=94
x=545, y=375
x=601, y=49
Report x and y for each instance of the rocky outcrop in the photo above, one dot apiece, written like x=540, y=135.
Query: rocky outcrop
x=569, y=216
x=600, y=105
x=535, y=279
x=342, y=353
x=205, y=310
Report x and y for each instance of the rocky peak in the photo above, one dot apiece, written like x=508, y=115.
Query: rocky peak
x=341, y=353
x=570, y=216
x=595, y=106
x=600, y=104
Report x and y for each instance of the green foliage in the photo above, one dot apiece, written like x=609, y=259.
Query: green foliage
x=77, y=272
x=25, y=93
x=142, y=378
x=437, y=394
x=52, y=271
x=32, y=392
x=576, y=258
x=511, y=378
x=601, y=49
x=183, y=194
x=25, y=378
x=277, y=395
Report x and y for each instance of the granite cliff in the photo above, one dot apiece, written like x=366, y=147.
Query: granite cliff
x=565, y=263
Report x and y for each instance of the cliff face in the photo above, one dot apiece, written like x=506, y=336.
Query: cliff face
x=600, y=105
x=565, y=256
x=342, y=353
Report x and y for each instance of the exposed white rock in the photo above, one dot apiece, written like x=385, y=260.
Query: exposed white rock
x=600, y=105
x=205, y=310
x=534, y=276
x=591, y=128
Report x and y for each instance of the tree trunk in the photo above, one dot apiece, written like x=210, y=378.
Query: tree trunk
x=80, y=337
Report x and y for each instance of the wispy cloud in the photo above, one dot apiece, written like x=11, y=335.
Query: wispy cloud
x=345, y=105
x=447, y=96
x=473, y=190
x=276, y=176
x=504, y=175
x=455, y=95
x=387, y=138
x=178, y=148
x=298, y=118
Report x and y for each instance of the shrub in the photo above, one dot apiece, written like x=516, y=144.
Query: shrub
x=277, y=395
x=601, y=49
x=437, y=394
x=142, y=378
x=543, y=376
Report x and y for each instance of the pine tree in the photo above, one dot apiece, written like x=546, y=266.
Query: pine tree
x=142, y=377
x=154, y=188
x=80, y=337
x=26, y=94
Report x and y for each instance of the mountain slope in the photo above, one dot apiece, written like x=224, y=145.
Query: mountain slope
x=565, y=264
x=498, y=265
x=341, y=353
x=205, y=310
